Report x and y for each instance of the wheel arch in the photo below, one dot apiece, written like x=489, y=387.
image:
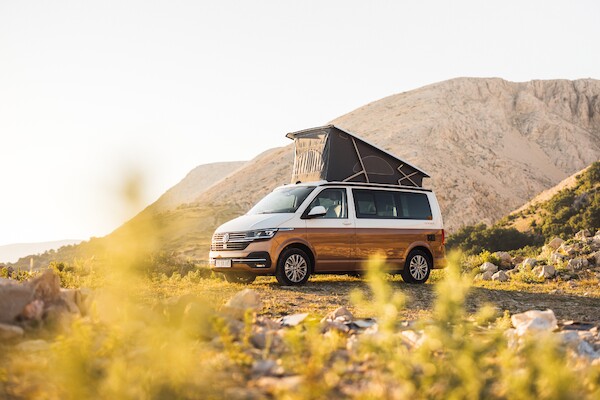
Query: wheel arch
x=422, y=247
x=304, y=248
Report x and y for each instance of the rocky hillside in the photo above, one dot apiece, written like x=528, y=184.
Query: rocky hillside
x=490, y=146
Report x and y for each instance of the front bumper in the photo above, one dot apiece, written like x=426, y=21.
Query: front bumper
x=256, y=258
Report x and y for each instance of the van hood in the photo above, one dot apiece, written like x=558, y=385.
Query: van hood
x=255, y=221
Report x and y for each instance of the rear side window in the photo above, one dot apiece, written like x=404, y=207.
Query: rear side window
x=391, y=205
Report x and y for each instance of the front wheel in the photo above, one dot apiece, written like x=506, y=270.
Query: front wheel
x=239, y=277
x=293, y=267
x=417, y=267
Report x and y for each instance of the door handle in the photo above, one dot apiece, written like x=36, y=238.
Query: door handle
x=346, y=223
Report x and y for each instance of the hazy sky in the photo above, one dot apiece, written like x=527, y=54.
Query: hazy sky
x=90, y=90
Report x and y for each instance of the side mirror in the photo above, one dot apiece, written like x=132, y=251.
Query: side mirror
x=316, y=211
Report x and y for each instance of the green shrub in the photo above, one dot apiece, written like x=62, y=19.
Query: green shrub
x=474, y=239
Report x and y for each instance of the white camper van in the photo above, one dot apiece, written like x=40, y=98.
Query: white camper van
x=335, y=225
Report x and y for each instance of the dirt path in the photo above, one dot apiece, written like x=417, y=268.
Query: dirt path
x=325, y=293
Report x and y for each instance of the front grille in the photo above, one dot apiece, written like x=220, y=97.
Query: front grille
x=219, y=246
x=237, y=241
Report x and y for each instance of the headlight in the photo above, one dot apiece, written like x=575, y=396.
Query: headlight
x=261, y=234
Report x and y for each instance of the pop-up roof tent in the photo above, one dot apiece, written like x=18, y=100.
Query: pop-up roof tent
x=333, y=154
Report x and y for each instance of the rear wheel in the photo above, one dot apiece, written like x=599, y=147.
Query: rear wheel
x=239, y=277
x=293, y=267
x=417, y=267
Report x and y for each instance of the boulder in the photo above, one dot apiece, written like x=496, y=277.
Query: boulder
x=577, y=263
x=534, y=321
x=595, y=257
x=13, y=299
x=582, y=234
x=488, y=267
x=505, y=258
x=9, y=332
x=555, y=243
x=528, y=264
x=246, y=300
x=500, y=276
x=45, y=287
x=487, y=276
x=341, y=314
x=547, y=271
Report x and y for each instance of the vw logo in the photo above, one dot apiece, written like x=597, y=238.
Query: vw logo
x=226, y=238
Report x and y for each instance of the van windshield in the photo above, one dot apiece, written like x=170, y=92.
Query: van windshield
x=283, y=200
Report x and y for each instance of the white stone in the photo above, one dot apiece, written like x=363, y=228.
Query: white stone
x=243, y=301
x=488, y=267
x=547, y=271
x=528, y=264
x=293, y=320
x=500, y=276
x=555, y=243
x=534, y=321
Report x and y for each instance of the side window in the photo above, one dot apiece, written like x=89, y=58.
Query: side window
x=414, y=206
x=334, y=201
x=391, y=204
x=365, y=203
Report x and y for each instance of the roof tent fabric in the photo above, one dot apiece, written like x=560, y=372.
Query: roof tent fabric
x=333, y=154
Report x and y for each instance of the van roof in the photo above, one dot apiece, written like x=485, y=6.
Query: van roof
x=358, y=185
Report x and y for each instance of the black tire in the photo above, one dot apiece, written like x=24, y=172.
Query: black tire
x=417, y=267
x=293, y=267
x=239, y=277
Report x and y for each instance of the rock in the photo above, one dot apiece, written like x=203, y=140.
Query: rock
x=488, y=267
x=341, y=314
x=9, y=332
x=259, y=340
x=263, y=367
x=30, y=346
x=547, y=271
x=595, y=257
x=569, y=250
x=46, y=287
x=293, y=320
x=74, y=299
x=577, y=263
x=287, y=384
x=555, y=243
x=582, y=234
x=534, y=321
x=7, y=281
x=556, y=258
x=413, y=339
x=33, y=310
x=505, y=258
x=528, y=264
x=500, y=276
x=537, y=270
x=487, y=276
x=13, y=298
x=511, y=272
x=246, y=300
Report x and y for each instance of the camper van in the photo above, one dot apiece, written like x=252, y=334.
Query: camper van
x=364, y=203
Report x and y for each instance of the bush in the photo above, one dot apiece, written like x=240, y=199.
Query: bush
x=474, y=239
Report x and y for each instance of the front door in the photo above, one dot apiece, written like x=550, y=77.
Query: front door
x=332, y=235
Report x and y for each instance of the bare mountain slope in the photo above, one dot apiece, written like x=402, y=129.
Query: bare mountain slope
x=489, y=145
x=195, y=182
